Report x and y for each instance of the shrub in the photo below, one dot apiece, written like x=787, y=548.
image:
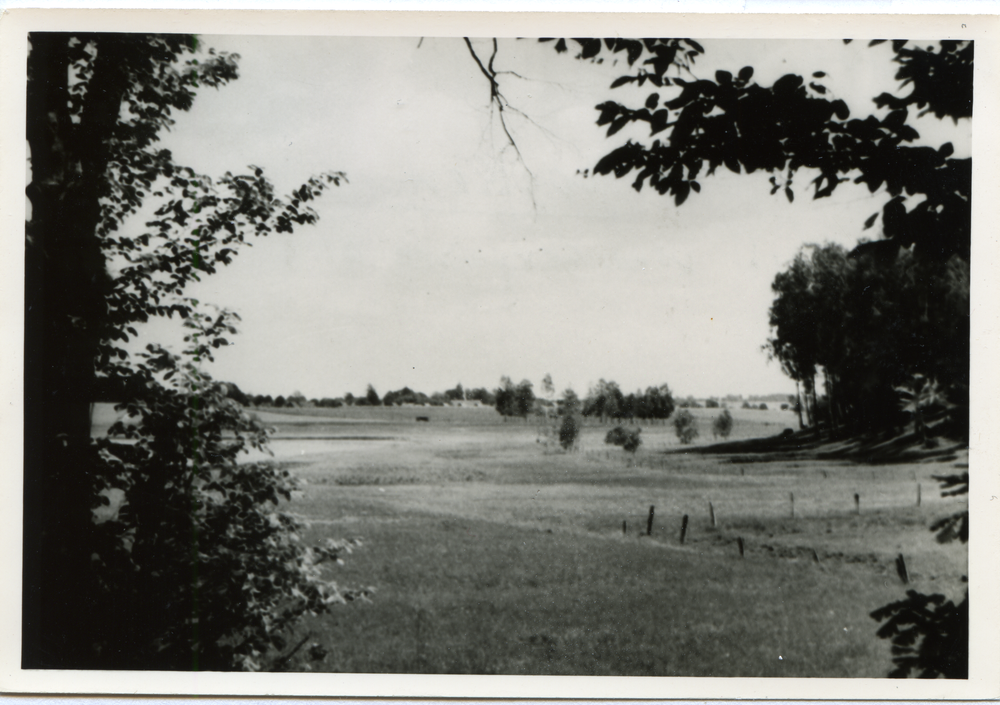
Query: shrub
x=712, y=404
x=723, y=424
x=255, y=578
x=685, y=426
x=633, y=441
x=763, y=406
x=628, y=439
x=616, y=436
x=568, y=432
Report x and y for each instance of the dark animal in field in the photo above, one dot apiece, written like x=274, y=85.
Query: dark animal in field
x=425, y=419
x=787, y=433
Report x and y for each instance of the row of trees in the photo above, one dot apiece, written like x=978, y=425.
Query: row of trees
x=370, y=398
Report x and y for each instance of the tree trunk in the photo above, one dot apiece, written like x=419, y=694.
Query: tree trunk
x=65, y=287
x=798, y=404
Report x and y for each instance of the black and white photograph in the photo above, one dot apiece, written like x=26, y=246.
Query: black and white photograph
x=468, y=354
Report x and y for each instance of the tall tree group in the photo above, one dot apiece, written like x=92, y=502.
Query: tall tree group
x=869, y=329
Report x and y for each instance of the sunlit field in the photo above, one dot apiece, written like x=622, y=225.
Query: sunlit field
x=493, y=551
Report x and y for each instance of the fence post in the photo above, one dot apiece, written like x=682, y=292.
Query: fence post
x=739, y=543
x=918, y=494
x=901, y=569
x=791, y=499
x=711, y=514
x=857, y=504
x=649, y=521
x=684, y=528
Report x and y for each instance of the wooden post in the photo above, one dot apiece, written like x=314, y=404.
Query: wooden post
x=649, y=521
x=711, y=514
x=815, y=556
x=625, y=528
x=918, y=494
x=857, y=504
x=684, y=528
x=791, y=499
x=739, y=543
x=901, y=569
x=741, y=472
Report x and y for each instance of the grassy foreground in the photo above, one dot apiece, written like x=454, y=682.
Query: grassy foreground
x=494, y=553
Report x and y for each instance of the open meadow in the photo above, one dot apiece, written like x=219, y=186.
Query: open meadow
x=493, y=551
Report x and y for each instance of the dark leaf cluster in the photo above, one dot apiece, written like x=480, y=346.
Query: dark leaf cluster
x=733, y=122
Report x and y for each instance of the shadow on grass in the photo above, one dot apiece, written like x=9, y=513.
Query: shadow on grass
x=818, y=444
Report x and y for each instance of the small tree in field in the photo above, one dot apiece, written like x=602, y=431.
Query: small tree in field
x=627, y=438
x=569, y=430
x=722, y=425
x=685, y=426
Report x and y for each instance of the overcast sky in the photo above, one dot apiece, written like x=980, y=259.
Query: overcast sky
x=448, y=259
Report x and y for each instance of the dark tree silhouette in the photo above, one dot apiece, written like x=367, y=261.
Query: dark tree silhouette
x=792, y=125
x=127, y=592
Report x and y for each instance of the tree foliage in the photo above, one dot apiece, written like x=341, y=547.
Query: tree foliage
x=569, y=430
x=628, y=438
x=605, y=400
x=930, y=633
x=795, y=124
x=872, y=330
x=514, y=400
x=685, y=426
x=722, y=425
x=197, y=567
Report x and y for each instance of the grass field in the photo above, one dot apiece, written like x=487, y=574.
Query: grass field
x=494, y=552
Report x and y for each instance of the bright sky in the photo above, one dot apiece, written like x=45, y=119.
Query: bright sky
x=444, y=260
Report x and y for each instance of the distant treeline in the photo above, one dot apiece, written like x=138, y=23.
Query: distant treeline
x=605, y=400
x=370, y=398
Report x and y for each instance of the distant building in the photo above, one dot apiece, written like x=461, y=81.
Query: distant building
x=471, y=403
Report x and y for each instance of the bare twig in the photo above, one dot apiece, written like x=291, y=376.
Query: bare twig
x=497, y=98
